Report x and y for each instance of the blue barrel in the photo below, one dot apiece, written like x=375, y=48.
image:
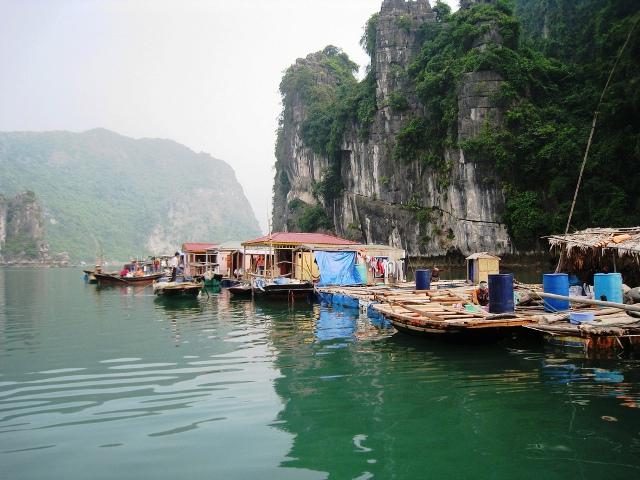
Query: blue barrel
x=361, y=268
x=557, y=283
x=501, y=293
x=608, y=287
x=423, y=279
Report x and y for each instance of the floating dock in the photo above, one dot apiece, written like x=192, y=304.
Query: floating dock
x=611, y=332
x=439, y=311
x=448, y=313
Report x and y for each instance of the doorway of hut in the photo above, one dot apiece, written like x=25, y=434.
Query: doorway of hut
x=284, y=262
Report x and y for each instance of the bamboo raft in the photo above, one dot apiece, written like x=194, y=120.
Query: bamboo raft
x=612, y=331
x=428, y=312
x=442, y=313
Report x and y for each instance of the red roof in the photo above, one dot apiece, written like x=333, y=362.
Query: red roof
x=198, y=246
x=300, y=239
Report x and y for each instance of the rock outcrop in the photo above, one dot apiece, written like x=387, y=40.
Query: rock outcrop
x=408, y=205
x=108, y=195
x=22, y=233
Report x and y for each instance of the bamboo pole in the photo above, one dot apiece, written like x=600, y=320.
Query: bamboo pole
x=588, y=301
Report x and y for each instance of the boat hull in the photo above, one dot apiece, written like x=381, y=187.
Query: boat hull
x=186, y=289
x=108, y=279
x=286, y=291
x=240, y=291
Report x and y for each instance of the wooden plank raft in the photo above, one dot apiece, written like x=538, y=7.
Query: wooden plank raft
x=441, y=318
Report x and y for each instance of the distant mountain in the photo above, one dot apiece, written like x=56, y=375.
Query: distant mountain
x=104, y=191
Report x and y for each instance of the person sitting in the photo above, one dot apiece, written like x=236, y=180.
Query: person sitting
x=124, y=271
x=481, y=294
x=435, y=274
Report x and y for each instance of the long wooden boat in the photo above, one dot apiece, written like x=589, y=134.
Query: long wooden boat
x=177, y=289
x=289, y=290
x=90, y=275
x=281, y=288
x=242, y=290
x=105, y=279
x=450, y=323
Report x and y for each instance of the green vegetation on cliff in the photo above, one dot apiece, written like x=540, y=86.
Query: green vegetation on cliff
x=548, y=98
x=101, y=190
x=327, y=87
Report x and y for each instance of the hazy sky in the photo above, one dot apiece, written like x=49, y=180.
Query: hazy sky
x=202, y=72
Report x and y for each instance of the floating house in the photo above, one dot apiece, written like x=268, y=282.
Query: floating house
x=480, y=266
x=198, y=256
x=234, y=259
x=375, y=263
x=593, y=250
x=291, y=253
x=326, y=259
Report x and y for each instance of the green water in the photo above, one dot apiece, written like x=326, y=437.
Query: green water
x=113, y=383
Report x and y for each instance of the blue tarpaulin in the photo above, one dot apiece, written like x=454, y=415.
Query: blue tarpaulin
x=335, y=324
x=337, y=268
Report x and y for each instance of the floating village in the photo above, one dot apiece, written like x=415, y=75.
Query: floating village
x=588, y=303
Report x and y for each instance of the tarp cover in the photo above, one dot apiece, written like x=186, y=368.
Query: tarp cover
x=337, y=268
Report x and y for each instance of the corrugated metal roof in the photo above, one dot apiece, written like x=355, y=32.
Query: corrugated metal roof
x=296, y=238
x=197, y=246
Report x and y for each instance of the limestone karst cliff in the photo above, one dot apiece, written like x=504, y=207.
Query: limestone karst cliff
x=105, y=194
x=411, y=204
x=469, y=128
x=22, y=233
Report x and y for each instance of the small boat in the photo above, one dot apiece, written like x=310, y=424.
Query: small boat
x=242, y=290
x=281, y=287
x=179, y=288
x=90, y=275
x=105, y=279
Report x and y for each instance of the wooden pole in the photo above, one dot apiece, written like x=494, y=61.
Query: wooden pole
x=588, y=301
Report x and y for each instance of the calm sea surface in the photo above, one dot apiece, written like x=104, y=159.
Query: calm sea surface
x=114, y=383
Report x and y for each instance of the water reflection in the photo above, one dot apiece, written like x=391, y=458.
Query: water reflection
x=400, y=407
x=215, y=387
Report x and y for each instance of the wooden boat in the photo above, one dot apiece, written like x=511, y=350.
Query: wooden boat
x=295, y=290
x=106, y=279
x=242, y=290
x=448, y=322
x=177, y=289
x=90, y=275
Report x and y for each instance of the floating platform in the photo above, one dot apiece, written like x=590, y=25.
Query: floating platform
x=447, y=313
x=610, y=333
x=435, y=312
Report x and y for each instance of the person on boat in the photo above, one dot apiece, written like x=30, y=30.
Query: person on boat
x=481, y=294
x=124, y=271
x=175, y=261
x=435, y=274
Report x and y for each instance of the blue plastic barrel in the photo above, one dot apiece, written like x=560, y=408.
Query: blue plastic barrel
x=608, y=287
x=361, y=268
x=501, y=293
x=423, y=279
x=557, y=283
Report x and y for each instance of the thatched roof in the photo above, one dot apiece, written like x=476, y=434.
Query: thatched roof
x=624, y=241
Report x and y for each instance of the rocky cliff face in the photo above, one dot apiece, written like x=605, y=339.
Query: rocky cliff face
x=22, y=231
x=109, y=195
x=427, y=211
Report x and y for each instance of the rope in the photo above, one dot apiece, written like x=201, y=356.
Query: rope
x=593, y=127
x=593, y=123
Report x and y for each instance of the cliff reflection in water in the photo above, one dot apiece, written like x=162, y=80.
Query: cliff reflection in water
x=400, y=407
